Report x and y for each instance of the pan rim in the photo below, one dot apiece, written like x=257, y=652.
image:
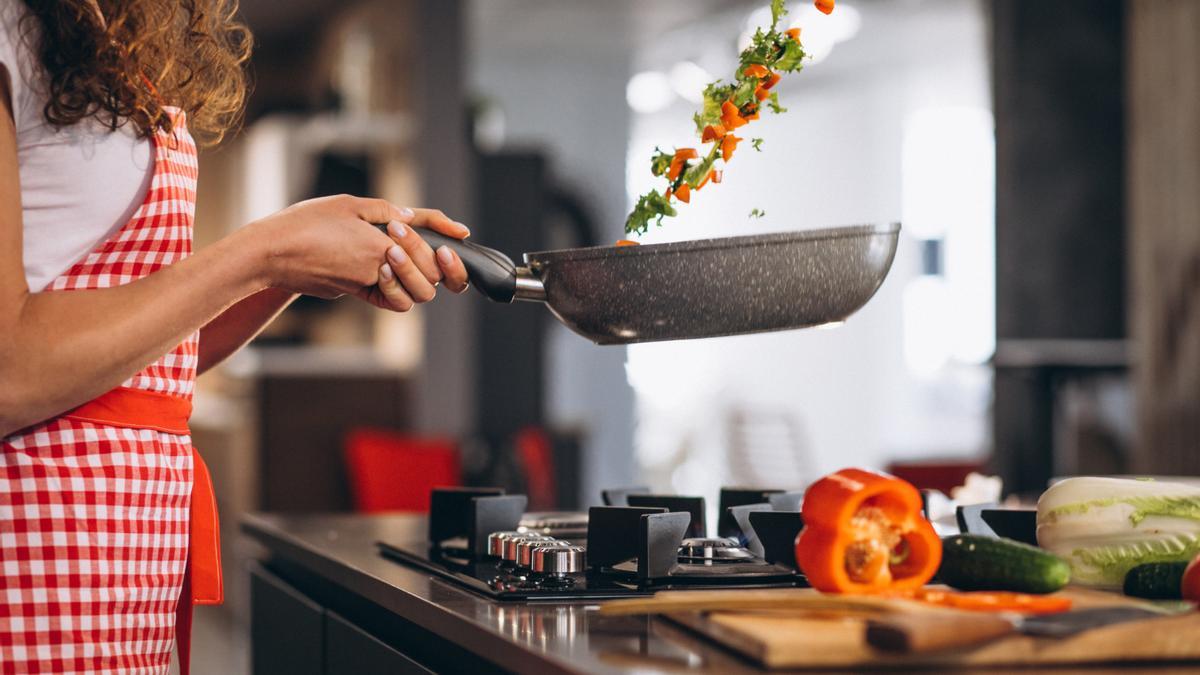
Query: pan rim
x=714, y=243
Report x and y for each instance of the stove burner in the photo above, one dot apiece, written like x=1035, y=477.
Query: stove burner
x=561, y=524
x=708, y=551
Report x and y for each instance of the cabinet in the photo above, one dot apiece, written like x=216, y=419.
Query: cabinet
x=294, y=635
x=286, y=628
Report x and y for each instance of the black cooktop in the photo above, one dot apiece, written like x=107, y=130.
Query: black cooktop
x=485, y=542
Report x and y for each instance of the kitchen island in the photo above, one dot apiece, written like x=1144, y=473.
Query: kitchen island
x=325, y=602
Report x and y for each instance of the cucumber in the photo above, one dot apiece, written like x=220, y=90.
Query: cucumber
x=975, y=563
x=1156, y=581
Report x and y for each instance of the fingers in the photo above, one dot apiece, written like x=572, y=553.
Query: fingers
x=454, y=274
x=418, y=251
x=394, y=296
x=439, y=222
x=415, y=284
x=378, y=211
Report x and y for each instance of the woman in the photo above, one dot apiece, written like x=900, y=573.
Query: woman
x=106, y=317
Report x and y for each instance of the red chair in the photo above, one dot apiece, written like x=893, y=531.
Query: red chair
x=391, y=471
x=535, y=453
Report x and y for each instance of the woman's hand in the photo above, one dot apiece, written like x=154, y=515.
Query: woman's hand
x=329, y=247
x=413, y=269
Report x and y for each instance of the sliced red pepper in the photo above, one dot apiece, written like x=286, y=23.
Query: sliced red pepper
x=712, y=132
x=731, y=117
x=756, y=70
x=728, y=145
x=760, y=93
x=686, y=153
x=994, y=601
x=793, y=33
x=824, y=6
x=864, y=533
x=772, y=81
x=667, y=195
x=684, y=193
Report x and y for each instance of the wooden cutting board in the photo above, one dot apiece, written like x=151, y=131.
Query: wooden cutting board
x=781, y=638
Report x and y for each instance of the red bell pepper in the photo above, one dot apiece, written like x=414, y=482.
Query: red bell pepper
x=864, y=532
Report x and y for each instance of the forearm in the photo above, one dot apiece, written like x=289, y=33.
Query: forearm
x=239, y=324
x=63, y=348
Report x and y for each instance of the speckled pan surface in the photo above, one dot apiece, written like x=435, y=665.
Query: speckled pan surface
x=716, y=287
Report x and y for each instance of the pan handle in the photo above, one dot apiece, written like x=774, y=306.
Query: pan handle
x=490, y=271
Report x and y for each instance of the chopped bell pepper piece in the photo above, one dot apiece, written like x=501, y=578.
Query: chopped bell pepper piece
x=712, y=132
x=864, y=532
x=824, y=6
x=731, y=117
x=772, y=81
x=626, y=242
x=728, y=145
x=793, y=33
x=686, y=153
x=684, y=193
x=716, y=175
x=676, y=168
x=756, y=70
x=760, y=93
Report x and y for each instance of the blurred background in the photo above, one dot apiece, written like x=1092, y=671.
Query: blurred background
x=1048, y=276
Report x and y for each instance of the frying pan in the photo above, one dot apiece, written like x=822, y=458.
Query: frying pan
x=692, y=289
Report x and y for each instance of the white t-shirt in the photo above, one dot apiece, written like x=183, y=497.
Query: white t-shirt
x=79, y=184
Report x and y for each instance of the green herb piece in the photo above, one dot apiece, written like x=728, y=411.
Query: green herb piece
x=757, y=213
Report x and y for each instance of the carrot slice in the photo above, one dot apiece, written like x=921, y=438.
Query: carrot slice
x=824, y=6
x=756, y=70
x=684, y=193
x=712, y=132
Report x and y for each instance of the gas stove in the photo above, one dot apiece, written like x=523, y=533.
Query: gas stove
x=636, y=544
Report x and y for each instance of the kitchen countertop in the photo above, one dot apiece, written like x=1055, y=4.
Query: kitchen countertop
x=519, y=637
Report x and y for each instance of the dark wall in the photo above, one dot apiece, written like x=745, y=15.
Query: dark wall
x=1060, y=222
x=1060, y=234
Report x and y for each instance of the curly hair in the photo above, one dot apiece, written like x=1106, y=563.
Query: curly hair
x=126, y=63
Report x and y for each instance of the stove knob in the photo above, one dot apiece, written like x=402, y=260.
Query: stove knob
x=557, y=559
x=496, y=542
x=510, y=544
x=525, y=548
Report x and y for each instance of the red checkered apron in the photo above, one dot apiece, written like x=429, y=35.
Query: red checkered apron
x=95, y=504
